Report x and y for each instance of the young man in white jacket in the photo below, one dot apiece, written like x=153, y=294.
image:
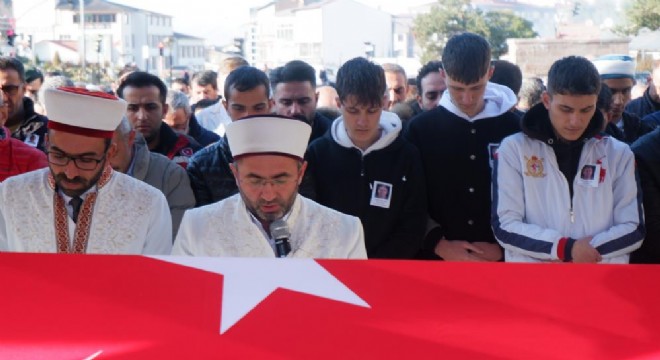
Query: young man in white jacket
x=561, y=191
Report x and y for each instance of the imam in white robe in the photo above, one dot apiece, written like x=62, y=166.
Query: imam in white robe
x=227, y=229
x=129, y=217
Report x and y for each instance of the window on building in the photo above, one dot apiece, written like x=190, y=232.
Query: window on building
x=96, y=18
x=285, y=32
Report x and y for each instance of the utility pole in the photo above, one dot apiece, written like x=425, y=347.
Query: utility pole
x=82, y=34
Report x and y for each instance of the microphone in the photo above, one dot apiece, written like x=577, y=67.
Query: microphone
x=279, y=230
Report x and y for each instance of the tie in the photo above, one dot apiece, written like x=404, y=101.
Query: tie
x=75, y=202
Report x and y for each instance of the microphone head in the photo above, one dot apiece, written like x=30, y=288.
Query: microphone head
x=279, y=229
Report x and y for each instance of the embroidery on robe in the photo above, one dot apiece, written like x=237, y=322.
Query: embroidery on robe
x=83, y=226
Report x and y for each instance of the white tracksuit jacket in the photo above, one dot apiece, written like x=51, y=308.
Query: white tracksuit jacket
x=532, y=210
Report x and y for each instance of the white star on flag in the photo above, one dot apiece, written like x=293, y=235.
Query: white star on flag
x=248, y=281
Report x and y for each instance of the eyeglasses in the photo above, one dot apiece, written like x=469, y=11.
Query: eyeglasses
x=10, y=90
x=260, y=184
x=82, y=163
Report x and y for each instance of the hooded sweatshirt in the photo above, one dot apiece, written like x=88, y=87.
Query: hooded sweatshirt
x=457, y=157
x=344, y=177
x=497, y=100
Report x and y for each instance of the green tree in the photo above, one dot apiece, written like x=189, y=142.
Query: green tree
x=450, y=17
x=57, y=62
x=445, y=19
x=641, y=14
x=506, y=25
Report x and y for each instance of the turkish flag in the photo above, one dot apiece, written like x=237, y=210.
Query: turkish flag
x=109, y=307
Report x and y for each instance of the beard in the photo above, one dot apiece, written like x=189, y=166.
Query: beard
x=85, y=184
x=256, y=207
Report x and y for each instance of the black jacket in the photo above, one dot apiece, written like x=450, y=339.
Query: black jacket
x=33, y=128
x=633, y=128
x=643, y=105
x=203, y=136
x=210, y=176
x=343, y=179
x=457, y=157
x=647, y=154
x=320, y=126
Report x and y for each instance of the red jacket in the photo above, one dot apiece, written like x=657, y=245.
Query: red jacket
x=17, y=157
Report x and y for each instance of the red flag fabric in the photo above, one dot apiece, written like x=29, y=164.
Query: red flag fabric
x=110, y=307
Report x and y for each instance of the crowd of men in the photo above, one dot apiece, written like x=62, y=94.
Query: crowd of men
x=467, y=162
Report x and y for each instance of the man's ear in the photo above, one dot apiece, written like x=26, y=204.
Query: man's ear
x=46, y=141
x=546, y=99
x=112, y=150
x=234, y=170
x=131, y=138
x=491, y=70
x=301, y=172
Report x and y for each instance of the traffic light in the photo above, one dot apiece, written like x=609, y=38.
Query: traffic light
x=29, y=41
x=11, y=35
x=161, y=49
x=99, y=42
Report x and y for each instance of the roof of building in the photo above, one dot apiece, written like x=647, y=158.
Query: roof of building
x=186, y=36
x=101, y=6
x=67, y=44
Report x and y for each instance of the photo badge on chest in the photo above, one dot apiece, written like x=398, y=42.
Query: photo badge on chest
x=589, y=175
x=381, y=194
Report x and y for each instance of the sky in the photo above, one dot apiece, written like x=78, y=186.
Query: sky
x=220, y=21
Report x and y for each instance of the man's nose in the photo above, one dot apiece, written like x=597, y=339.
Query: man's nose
x=268, y=191
x=71, y=170
x=295, y=108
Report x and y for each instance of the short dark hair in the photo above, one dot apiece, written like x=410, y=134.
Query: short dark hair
x=246, y=78
x=141, y=79
x=573, y=75
x=466, y=57
x=182, y=81
x=11, y=63
x=429, y=67
x=295, y=70
x=206, y=77
x=507, y=74
x=33, y=74
x=362, y=79
x=604, y=101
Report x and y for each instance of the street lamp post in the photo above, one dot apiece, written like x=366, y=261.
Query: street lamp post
x=169, y=43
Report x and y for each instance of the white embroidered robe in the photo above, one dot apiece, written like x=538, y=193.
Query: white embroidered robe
x=226, y=229
x=129, y=217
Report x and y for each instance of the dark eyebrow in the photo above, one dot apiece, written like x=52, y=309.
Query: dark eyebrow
x=255, y=176
x=91, y=153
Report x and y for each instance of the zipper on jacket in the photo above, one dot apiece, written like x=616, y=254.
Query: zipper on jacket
x=361, y=165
